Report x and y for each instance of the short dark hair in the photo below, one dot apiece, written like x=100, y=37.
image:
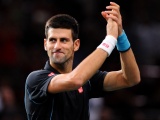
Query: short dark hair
x=63, y=21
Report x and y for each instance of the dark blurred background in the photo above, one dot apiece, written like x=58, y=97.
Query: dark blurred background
x=21, y=50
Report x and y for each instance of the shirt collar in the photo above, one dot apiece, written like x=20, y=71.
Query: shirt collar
x=49, y=67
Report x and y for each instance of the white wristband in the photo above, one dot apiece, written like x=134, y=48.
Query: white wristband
x=108, y=44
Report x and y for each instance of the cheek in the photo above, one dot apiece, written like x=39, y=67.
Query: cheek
x=71, y=50
x=49, y=47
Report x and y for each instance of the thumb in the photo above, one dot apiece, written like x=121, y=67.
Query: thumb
x=104, y=14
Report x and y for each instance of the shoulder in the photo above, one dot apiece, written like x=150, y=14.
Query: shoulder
x=98, y=78
x=37, y=76
x=99, y=74
x=38, y=73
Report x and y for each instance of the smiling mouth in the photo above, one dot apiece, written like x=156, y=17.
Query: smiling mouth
x=57, y=53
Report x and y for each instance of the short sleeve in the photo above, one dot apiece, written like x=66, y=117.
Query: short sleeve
x=36, y=86
x=96, y=84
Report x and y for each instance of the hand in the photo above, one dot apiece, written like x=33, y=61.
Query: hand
x=113, y=12
x=112, y=27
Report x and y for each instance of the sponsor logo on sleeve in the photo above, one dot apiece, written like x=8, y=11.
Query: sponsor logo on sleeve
x=80, y=90
x=51, y=74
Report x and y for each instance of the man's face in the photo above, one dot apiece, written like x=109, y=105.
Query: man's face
x=60, y=46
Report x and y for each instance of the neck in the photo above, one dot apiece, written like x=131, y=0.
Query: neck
x=63, y=68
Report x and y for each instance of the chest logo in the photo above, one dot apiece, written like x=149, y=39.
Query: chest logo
x=80, y=90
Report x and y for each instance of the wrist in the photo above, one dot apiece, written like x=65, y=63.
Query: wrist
x=123, y=43
x=108, y=44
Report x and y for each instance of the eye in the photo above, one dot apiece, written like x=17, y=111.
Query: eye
x=52, y=40
x=64, y=40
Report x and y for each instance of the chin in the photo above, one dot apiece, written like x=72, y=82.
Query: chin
x=58, y=61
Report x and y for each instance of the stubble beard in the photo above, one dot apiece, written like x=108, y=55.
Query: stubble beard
x=64, y=61
x=58, y=60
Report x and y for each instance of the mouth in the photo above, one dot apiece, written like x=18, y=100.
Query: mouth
x=57, y=52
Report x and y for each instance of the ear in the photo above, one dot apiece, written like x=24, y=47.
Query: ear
x=45, y=44
x=76, y=44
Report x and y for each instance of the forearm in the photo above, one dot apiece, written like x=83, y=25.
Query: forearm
x=129, y=67
x=80, y=75
x=87, y=68
x=93, y=62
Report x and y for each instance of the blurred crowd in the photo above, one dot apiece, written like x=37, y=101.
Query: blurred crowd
x=21, y=38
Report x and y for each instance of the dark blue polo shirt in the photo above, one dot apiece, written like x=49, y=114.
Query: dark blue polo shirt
x=67, y=105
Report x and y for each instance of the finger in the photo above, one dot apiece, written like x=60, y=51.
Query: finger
x=114, y=18
x=114, y=4
x=112, y=12
x=112, y=8
x=105, y=15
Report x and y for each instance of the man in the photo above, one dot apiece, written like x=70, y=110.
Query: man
x=59, y=92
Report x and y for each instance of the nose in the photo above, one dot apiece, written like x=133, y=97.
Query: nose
x=57, y=45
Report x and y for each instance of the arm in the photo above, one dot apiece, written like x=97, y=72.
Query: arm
x=129, y=74
x=85, y=70
x=80, y=75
